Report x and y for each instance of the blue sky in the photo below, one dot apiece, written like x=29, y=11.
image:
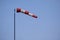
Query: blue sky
x=45, y=27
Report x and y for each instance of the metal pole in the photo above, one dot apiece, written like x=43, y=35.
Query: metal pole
x=14, y=26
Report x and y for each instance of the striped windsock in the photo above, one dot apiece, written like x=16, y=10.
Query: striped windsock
x=25, y=12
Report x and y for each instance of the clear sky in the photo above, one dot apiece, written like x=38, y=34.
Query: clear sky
x=45, y=27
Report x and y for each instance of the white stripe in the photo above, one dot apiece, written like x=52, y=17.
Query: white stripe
x=22, y=10
x=30, y=14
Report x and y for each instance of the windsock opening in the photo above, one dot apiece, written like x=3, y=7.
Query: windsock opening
x=18, y=9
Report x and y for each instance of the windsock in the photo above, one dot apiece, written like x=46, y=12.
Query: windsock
x=25, y=12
